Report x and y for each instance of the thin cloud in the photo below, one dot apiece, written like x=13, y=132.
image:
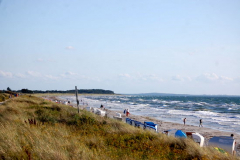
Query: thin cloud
x=140, y=77
x=213, y=77
x=76, y=76
x=181, y=78
x=20, y=75
x=225, y=78
x=34, y=74
x=153, y=77
x=44, y=60
x=51, y=77
x=6, y=74
x=68, y=74
x=125, y=75
x=177, y=78
x=69, y=47
x=40, y=60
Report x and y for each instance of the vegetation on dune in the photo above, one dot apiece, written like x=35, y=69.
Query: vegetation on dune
x=3, y=97
x=34, y=128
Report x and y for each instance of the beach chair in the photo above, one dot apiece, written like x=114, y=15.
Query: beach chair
x=89, y=109
x=141, y=125
x=118, y=116
x=150, y=126
x=95, y=110
x=175, y=133
x=128, y=121
x=133, y=123
x=198, y=138
x=226, y=143
x=136, y=123
x=100, y=112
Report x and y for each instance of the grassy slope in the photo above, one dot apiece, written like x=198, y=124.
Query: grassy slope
x=31, y=127
x=3, y=97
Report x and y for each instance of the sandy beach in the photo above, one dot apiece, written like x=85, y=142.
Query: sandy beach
x=163, y=126
x=207, y=133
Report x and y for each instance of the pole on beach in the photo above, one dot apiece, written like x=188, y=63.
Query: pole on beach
x=76, y=91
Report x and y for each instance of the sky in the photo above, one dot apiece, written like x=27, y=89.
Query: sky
x=127, y=46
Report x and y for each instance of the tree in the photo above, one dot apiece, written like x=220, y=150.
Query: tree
x=26, y=91
x=9, y=89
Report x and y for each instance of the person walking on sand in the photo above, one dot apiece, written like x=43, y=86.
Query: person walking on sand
x=184, y=121
x=200, y=123
x=234, y=150
x=127, y=112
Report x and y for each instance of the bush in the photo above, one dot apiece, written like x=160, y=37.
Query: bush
x=3, y=97
x=44, y=116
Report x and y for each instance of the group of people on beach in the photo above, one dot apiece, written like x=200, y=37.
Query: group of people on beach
x=126, y=111
x=200, y=122
x=13, y=95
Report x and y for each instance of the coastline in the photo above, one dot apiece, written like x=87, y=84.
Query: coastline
x=207, y=133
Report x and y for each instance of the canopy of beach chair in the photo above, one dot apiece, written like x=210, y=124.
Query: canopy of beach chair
x=180, y=134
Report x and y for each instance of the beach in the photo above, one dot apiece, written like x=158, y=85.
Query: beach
x=207, y=133
x=163, y=126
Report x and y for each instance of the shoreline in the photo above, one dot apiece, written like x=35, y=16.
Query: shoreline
x=207, y=133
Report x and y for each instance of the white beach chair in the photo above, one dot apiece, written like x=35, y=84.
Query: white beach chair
x=117, y=118
x=224, y=142
x=95, y=110
x=118, y=115
x=198, y=138
x=89, y=109
x=100, y=112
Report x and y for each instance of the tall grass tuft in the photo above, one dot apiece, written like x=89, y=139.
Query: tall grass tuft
x=3, y=97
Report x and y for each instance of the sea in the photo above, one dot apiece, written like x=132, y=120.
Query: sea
x=217, y=112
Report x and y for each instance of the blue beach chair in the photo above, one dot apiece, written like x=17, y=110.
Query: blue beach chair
x=150, y=126
x=129, y=121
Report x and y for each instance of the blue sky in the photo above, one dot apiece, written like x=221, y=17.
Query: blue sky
x=127, y=46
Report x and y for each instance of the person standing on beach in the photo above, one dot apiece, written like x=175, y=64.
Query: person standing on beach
x=184, y=121
x=127, y=112
x=200, y=123
x=234, y=150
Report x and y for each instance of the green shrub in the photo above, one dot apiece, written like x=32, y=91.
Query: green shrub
x=3, y=97
x=45, y=116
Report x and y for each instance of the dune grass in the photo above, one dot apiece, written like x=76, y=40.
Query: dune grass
x=34, y=128
x=3, y=97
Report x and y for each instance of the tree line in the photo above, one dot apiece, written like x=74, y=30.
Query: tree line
x=80, y=91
